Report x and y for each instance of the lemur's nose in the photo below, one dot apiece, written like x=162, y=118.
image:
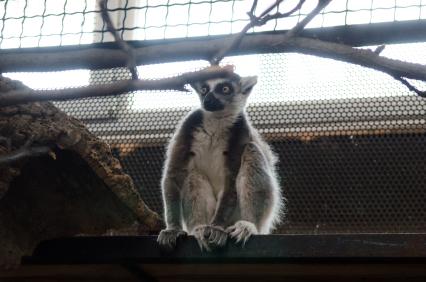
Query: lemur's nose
x=211, y=103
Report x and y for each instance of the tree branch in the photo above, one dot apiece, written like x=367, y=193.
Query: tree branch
x=131, y=61
x=115, y=88
x=410, y=86
x=265, y=18
x=254, y=21
x=253, y=43
x=193, y=49
x=104, y=55
x=303, y=23
x=253, y=7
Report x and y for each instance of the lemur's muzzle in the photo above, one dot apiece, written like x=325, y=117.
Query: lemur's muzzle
x=211, y=103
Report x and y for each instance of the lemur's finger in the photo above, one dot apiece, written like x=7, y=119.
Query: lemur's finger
x=239, y=237
x=222, y=240
x=199, y=244
x=230, y=229
x=207, y=232
x=203, y=245
x=219, y=237
x=213, y=236
x=246, y=239
x=200, y=234
x=235, y=233
x=182, y=234
x=168, y=242
x=243, y=235
x=172, y=240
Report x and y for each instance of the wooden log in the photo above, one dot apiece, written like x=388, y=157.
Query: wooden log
x=76, y=186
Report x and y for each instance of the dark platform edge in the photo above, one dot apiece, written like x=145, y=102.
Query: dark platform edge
x=336, y=248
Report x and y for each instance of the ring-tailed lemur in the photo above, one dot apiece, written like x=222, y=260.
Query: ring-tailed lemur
x=219, y=178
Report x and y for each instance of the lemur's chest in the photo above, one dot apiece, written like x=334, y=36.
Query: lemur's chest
x=209, y=147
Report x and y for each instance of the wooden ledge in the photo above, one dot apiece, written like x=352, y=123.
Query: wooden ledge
x=259, y=249
x=366, y=257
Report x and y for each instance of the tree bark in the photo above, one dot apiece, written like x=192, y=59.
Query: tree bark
x=76, y=188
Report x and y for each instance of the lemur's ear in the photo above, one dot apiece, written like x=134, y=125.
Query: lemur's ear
x=247, y=83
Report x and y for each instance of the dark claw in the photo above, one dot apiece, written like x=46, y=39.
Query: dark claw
x=207, y=232
x=241, y=231
x=167, y=238
x=210, y=237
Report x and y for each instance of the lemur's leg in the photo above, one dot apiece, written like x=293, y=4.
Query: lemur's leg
x=255, y=189
x=199, y=204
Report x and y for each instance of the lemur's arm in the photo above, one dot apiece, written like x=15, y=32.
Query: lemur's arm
x=175, y=171
x=258, y=195
x=171, y=185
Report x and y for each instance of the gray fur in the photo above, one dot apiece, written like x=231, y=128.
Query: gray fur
x=219, y=178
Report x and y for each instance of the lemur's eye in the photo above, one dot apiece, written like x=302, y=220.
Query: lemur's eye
x=226, y=89
x=204, y=89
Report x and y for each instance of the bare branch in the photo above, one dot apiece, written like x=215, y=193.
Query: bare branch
x=302, y=24
x=196, y=49
x=264, y=19
x=172, y=50
x=131, y=61
x=254, y=21
x=253, y=7
x=270, y=8
x=115, y=88
x=410, y=86
x=379, y=49
x=215, y=60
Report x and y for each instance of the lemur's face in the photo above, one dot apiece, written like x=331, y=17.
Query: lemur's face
x=225, y=94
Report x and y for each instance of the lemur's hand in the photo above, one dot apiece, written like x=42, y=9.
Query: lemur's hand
x=168, y=238
x=241, y=231
x=210, y=237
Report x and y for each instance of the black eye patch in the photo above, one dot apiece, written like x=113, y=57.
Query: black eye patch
x=204, y=89
x=224, y=88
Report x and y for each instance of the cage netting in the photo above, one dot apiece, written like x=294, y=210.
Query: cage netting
x=351, y=141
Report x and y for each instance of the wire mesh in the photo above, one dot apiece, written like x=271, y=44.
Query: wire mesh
x=350, y=140
x=27, y=23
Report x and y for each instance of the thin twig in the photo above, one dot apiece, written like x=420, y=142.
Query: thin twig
x=278, y=15
x=116, y=88
x=95, y=58
x=131, y=61
x=302, y=24
x=379, y=49
x=253, y=7
x=270, y=8
x=254, y=21
x=410, y=86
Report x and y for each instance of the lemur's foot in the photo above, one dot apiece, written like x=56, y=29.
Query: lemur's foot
x=168, y=238
x=210, y=237
x=241, y=231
